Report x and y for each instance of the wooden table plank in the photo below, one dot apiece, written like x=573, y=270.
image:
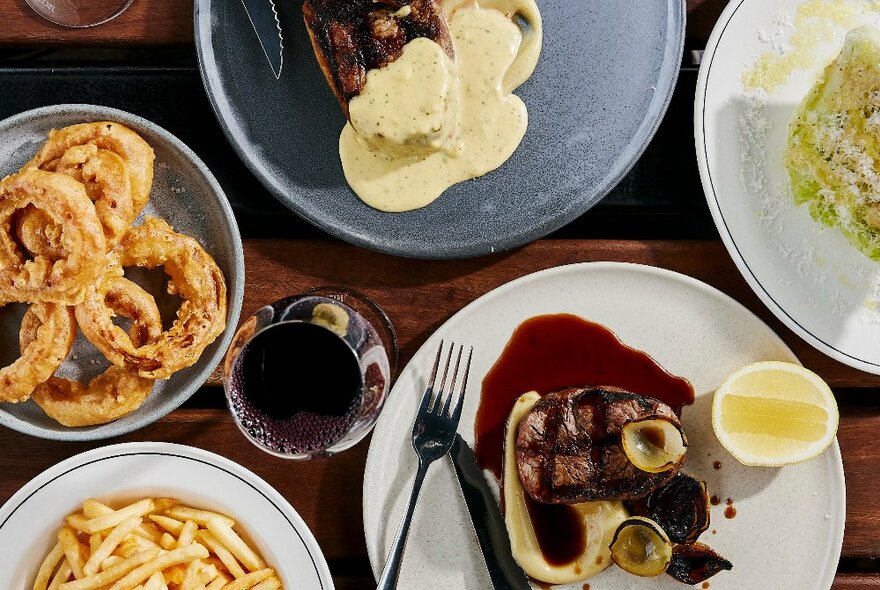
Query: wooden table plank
x=421, y=295
x=145, y=23
x=170, y=23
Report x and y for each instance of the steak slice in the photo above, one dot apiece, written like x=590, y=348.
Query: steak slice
x=351, y=37
x=569, y=450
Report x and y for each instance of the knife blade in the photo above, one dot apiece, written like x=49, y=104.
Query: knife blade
x=488, y=523
x=267, y=26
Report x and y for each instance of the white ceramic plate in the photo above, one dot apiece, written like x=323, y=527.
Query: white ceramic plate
x=808, y=275
x=29, y=521
x=692, y=330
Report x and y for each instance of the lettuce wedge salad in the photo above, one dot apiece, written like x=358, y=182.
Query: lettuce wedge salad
x=833, y=153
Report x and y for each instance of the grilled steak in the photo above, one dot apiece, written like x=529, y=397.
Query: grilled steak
x=351, y=37
x=569, y=450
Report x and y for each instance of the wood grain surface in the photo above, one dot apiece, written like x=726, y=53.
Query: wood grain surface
x=170, y=23
x=145, y=23
x=420, y=295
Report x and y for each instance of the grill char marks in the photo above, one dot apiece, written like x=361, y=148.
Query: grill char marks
x=568, y=447
x=351, y=37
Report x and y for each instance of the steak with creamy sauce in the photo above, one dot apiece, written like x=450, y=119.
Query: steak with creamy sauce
x=351, y=37
x=569, y=450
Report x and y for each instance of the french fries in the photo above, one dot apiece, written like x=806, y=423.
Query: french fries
x=152, y=544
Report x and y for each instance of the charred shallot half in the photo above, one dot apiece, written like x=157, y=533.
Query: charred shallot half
x=695, y=563
x=681, y=507
x=641, y=547
x=654, y=444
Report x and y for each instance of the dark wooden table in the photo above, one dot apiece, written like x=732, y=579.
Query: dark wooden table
x=145, y=63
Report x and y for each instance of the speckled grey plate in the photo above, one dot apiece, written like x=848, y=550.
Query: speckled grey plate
x=605, y=77
x=185, y=194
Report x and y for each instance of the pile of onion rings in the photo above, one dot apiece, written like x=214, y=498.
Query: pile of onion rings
x=66, y=235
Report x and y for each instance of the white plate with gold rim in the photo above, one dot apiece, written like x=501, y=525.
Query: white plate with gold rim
x=809, y=276
x=692, y=330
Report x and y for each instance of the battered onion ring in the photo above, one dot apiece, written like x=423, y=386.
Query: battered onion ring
x=194, y=276
x=65, y=202
x=50, y=344
x=106, y=179
x=38, y=235
x=117, y=391
x=136, y=153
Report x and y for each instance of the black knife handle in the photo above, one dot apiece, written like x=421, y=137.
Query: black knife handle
x=488, y=522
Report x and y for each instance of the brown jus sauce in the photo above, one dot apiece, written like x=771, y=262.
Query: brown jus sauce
x=551, y=352
x=730, y=511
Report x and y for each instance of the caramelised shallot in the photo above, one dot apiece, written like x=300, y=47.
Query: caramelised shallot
x=681, y=507
x=654, y=443
x=696, y=563
x=641, y=547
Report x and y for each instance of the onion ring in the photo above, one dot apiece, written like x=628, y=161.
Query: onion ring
x=136, y=153
x=38, y=234
x=65, y=202
x=117, y=391
x=194, y=275
x=103, y=172
x=53, y=333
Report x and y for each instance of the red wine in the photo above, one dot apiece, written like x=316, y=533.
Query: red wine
x=296, y=387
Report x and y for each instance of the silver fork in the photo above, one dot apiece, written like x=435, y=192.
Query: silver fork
x=432, y=436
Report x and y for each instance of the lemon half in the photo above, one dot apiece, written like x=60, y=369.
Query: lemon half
x=774, y=413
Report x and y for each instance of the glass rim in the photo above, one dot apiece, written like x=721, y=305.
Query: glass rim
x=374, y=307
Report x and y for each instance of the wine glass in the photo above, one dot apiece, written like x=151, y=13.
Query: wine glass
x=79, y=14
x=307, y=376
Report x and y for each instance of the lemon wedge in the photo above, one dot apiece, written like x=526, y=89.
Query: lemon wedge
x=774, y=413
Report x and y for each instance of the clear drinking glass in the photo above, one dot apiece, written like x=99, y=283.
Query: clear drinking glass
x=307, y=376
x=79, y=14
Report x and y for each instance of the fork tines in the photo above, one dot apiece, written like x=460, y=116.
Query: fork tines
x=433, y=397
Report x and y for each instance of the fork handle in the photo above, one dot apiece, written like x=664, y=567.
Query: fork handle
x=388, y=581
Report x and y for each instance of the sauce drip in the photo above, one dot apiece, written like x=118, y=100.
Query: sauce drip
x=715, y=500
x=551, y=352
x=730, y=511
x=559, y=530
x=717, y=465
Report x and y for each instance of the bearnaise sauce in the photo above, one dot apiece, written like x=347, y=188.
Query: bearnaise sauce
x=425, y=122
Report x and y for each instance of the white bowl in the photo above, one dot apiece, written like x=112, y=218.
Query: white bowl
x=30, y=519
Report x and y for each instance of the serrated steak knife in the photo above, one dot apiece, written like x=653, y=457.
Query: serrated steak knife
x=264, y=18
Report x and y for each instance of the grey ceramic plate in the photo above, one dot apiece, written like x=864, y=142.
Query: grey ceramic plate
x=605, y=77
x=185, y=194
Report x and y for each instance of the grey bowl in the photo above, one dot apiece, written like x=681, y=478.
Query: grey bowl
x=185, y=194
x=604, y=81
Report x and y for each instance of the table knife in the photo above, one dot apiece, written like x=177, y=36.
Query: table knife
x=504, y=572
x=264, y=18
